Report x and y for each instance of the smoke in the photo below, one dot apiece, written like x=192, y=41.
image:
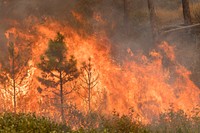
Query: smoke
x=133, y=32
x=18, y=10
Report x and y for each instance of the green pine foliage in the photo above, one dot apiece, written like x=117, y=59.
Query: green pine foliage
x=55, y=61
x=58, y=70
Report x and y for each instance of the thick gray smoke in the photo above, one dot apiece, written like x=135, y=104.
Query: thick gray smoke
x=133, y=32
x=21, y=9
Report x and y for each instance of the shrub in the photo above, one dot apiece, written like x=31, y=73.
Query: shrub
x=176, y=122
x=121, y=124
x=28, y=123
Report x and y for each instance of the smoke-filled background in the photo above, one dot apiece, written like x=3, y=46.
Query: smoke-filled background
x=129, y=28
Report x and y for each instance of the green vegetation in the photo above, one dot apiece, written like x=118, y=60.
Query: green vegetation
x=122, y=124
x=177, y=122
x=28, y=123
x=169, y=122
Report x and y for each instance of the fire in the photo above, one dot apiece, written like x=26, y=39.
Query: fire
x=148, y=84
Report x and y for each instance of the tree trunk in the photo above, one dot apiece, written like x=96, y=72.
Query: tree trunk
x=89, y=91
x=14, y=97
x=186, y=12
x=153, y=21
x=13, y=78
x=62, y=99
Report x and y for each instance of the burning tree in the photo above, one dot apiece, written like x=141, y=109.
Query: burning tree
x=57, y=70
x=14, y=72
x=89, y=80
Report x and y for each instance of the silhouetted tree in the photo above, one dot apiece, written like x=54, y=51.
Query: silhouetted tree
x=186, y=12
x=14, y=71
x=57, y=70
x=153, y=22
x=89, y=80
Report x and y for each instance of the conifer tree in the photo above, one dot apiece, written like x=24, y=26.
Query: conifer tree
x=57, y=70
x=89, y=80
x=14, y=71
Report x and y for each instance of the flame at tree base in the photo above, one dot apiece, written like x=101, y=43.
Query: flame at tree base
x=148, y=85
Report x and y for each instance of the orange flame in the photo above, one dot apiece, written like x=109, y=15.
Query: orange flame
x=147, y=84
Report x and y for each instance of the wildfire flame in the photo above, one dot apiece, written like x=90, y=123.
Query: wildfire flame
x=148, y=84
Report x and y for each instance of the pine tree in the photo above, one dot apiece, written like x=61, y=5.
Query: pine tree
x=57, y=70
x=14, y=71
x=89, y=80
